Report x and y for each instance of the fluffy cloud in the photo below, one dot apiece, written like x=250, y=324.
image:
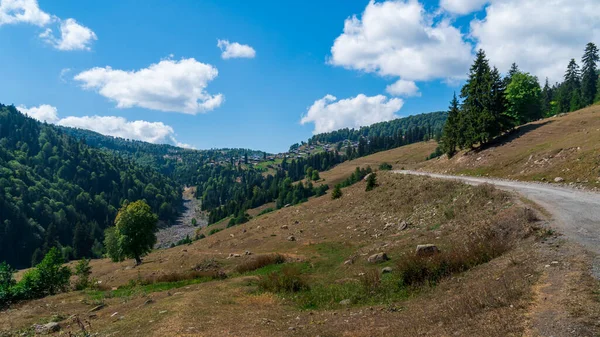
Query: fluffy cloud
x=398, y=38
x=176, y=86
x=43, y=113
x=403, y=88
x=73, y=36
x=23, y=11
x=151, y=132
x=541, y=36
x=462, y=7
x=330, y=114
x=235, y=50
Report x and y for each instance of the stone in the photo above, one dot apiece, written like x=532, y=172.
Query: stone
x=378, y=258
x=284, y=227
x=47, y=328
x=403, y=225
x=346, y=302
x=386, y=270
x=348, y=262
x=426, y=250
x=291, y=238
x=248, y=252
x=559, y=179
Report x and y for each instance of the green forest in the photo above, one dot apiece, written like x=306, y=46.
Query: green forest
x=56, y=191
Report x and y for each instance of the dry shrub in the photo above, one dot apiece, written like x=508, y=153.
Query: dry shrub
x=371, y=281
x=207, y=265
x=419, y=270
x=259, y=262
x=289, y=279
x=190, y=275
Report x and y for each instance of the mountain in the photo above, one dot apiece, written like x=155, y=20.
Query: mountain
x=53, y=186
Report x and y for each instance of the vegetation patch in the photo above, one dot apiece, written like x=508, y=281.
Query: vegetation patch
x=289, y=279
x=258, y=262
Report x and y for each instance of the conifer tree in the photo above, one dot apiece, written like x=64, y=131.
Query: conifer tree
x=476, y=102
x=547, y=96
x=450, y=133
x=569, y=88
x=589, y=75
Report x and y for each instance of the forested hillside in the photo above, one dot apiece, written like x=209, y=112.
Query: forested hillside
x=56, y=191
x=410, y=129
x=179, y=163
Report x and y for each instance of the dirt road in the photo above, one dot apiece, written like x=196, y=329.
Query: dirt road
x=576, y=213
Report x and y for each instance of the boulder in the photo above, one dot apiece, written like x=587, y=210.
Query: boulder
x=284, y=227
x=248, y=252
x=386, y=270
x=403, y=225
x=291, y=238
x=48, y=328
x=348, y=262
x=426, y=250
x=346, y=302
x=559, y=180
x=378, y=258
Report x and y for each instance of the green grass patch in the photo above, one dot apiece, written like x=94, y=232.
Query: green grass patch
x=135, y=289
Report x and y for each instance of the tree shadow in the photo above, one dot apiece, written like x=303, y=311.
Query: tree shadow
x=510, y=136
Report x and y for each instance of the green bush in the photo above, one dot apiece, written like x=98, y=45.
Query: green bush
x=385, y=167
x=47, y=278
x=336, y=193
x=371, y=182
x=83, y=272
x=7, y=282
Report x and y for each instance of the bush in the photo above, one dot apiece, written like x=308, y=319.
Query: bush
x=420, y=270
x=259, y=262
x=47, y=278
x=337, y=192
x=385, y=167
x=214, y=231
x=265, y=211
x=7, y=282
x=83, y=272
x=289, y=279
x=371, y=182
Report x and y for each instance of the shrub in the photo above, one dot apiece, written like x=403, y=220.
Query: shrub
x=371, y=281
x=83, y=272
x=47, y=278
x=265, y=211
x=337, y=192
x=259, y=262
x=385, y=166
x=419, y=270
x=289, y=279
x=7, y=282
x=214, y=231
x=371, y=182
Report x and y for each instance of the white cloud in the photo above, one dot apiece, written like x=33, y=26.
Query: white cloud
x=73, y=36
x=235, y=50
x=398, y=38
x=403, y=88
x=43, y=113
x=541, y=36
x=462, y=7
x=23, y=11
x=329, y=114
x=151, y=132
x=176, y=86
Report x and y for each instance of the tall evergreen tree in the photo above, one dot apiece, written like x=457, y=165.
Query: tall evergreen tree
x=570, y=88
x=450, y=133
x=547, y=96
x=476, y=116
x=589, y=75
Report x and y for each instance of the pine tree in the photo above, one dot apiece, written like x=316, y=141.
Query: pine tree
x=336, y=193
x=570, y=87
x=82, y=241
x=450, y=134
x=589, y=76
x=371, y=182
x=476, y=102
x=511, y=72
x=547, y=96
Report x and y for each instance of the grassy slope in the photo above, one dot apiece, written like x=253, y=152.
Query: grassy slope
x=327, y=232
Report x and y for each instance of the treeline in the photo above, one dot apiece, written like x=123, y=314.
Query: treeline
x=56, y=191
x=490, y=105
x=405, y=130
x=179, y=163
x=322, y=161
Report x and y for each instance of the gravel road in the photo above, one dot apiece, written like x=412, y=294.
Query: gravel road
x=576, y=213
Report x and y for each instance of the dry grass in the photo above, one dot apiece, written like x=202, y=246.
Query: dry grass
x=258, y=262
x=184, y=276
x=289, y=279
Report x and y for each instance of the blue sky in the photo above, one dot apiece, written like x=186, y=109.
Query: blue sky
x=264, y=97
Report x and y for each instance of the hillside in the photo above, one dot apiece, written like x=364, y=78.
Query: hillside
x=564, y=146
x=57, y=191
x=504, y=292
